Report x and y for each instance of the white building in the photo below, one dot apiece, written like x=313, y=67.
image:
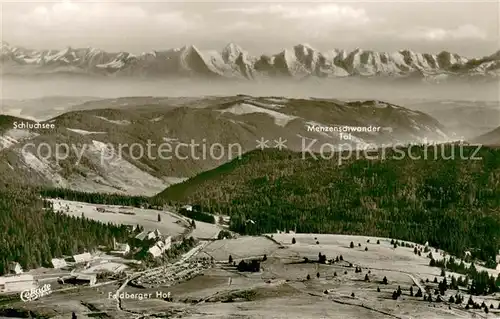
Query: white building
x=147, y=235
x=16, y=283
x=160, y=247
x=58, y=263
x=90, y=278
x=16, y=268
x=81, y=258
x=124, y=248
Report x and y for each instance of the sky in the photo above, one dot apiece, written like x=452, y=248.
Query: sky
x=468, y=28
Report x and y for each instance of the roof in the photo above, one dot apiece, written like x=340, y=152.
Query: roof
x=58, y=262
x=148, y=234
x=82, y=257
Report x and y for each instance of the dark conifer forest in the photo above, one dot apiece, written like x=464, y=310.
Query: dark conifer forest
x=452, y=203
x=32, y=233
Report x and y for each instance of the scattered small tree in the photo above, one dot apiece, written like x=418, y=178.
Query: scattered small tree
x=293, y=240
x=378, y=289
x=159, y=218
x=378, y=242
x=435, y=280
x=351, y=245
x=317, y=275
x=352, y=295
x=411, y=291
x=443, y=273
x=359, y=244
x=366, y=278
x=415, y=250
x=264, y=258
x=230, y=259
x=308, y=277
x=384, y=281
x=419, y=293
x=366, y=248
x=395, y=295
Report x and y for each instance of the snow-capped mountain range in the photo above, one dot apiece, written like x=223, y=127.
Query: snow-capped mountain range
x=232, y=61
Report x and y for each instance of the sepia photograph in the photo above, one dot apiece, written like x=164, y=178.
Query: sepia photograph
x=250, y=159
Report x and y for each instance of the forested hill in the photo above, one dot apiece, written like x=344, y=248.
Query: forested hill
x=33, y=234
x=452, y=203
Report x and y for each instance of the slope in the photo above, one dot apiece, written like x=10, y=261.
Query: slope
x=452, y=203
x=140, y=146
x=490, y=138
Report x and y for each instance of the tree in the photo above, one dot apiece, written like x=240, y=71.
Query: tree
x=435, y=280
x=230, y=259
x=73, y=315
x=378, y=289
x=411, y=291
x=366, y=248
x=308, y=277
x=384, y=281
x=352, y=295
x=293, y=240
x=317, y=275
x=395, y=295
x=415, y=251
x=378, y=242
x=351, y=245
x=419, y=293
x=367, y=278
x=159, y=218
x=443, y=273
x=264, y=258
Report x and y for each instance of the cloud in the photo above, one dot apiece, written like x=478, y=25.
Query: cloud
x=463, y=32
x=324, y=14
x=68, y=16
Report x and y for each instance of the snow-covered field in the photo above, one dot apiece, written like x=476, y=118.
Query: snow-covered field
x=83, y=132
x=280, y=119
x=242, y=247
x=169, y=225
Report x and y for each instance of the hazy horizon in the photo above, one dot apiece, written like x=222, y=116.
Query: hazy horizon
x=19, y=88
x=259, y=27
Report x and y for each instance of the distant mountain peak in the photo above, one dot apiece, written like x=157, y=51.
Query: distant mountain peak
x=300, y=61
